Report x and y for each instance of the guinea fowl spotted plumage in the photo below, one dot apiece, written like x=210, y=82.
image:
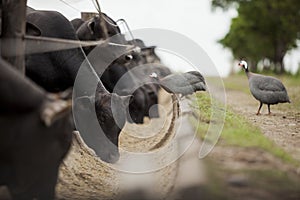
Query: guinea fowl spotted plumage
x=266, y=89
x=182, y=83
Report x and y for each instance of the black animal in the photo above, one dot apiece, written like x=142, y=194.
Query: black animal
x=149, y=58
x=77, y=22
x=91, y=30
x=54, y=71
x=57, y=71
x=139, y=65
x=136, y=77
x=109, y=110
x=35, y=136
x=117, y=71
x=110, y=65
x=266, y=89
x=147, y=52
x=149, y=90
x=148, y=62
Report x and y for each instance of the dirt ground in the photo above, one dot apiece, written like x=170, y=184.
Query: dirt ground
x=84, y=176
x=282, y=126
x=252, y=173
x=244, y=171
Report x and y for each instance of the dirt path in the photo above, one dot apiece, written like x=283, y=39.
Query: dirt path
x=282, y=127
x=84, y=176
x=150, y=160
x=253, y=173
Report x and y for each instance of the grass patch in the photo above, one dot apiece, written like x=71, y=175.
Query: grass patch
x=237, y=131
x=237, y=82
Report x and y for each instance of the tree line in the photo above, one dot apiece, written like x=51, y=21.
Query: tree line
x=264, y=30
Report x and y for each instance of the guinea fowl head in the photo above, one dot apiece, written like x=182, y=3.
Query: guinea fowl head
x=154, y=75
x=243, y=64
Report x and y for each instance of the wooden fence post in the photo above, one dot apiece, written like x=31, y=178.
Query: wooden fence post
x=88, y=15
x=13, y=30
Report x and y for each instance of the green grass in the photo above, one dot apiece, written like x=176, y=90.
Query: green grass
x=237, y=82
x=237, y=130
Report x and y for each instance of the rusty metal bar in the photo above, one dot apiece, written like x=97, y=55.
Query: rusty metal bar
x=37, y=44
x=13, y=29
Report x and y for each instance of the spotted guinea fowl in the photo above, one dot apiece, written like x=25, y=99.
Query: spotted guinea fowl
x=266, y=89
x=182, y=83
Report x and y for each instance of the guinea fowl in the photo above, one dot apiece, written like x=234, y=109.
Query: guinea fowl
x=183, y=83
x=266, y=89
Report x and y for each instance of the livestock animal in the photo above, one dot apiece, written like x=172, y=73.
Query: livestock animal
x=57, y=71
x=35, y=136
x=147, y=52
x=91, y=30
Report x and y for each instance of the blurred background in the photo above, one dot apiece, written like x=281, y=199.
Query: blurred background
x=213, y=24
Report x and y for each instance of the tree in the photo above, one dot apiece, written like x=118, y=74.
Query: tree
x=240, y=40
x=263, y=29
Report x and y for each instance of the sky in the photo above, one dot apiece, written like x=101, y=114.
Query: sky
x=192, y=18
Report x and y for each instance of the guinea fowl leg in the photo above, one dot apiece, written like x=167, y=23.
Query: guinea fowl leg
x=258, y=112
x=269, y=109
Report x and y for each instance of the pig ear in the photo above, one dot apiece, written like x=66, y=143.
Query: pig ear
x=151, y=49
x=91, y=26
x=32, y=29
x=127, y=99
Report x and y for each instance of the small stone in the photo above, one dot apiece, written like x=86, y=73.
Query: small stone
x=298, y=171
x=293, y=134
x=283, y=117
x=77, y=184
x=238, y=181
